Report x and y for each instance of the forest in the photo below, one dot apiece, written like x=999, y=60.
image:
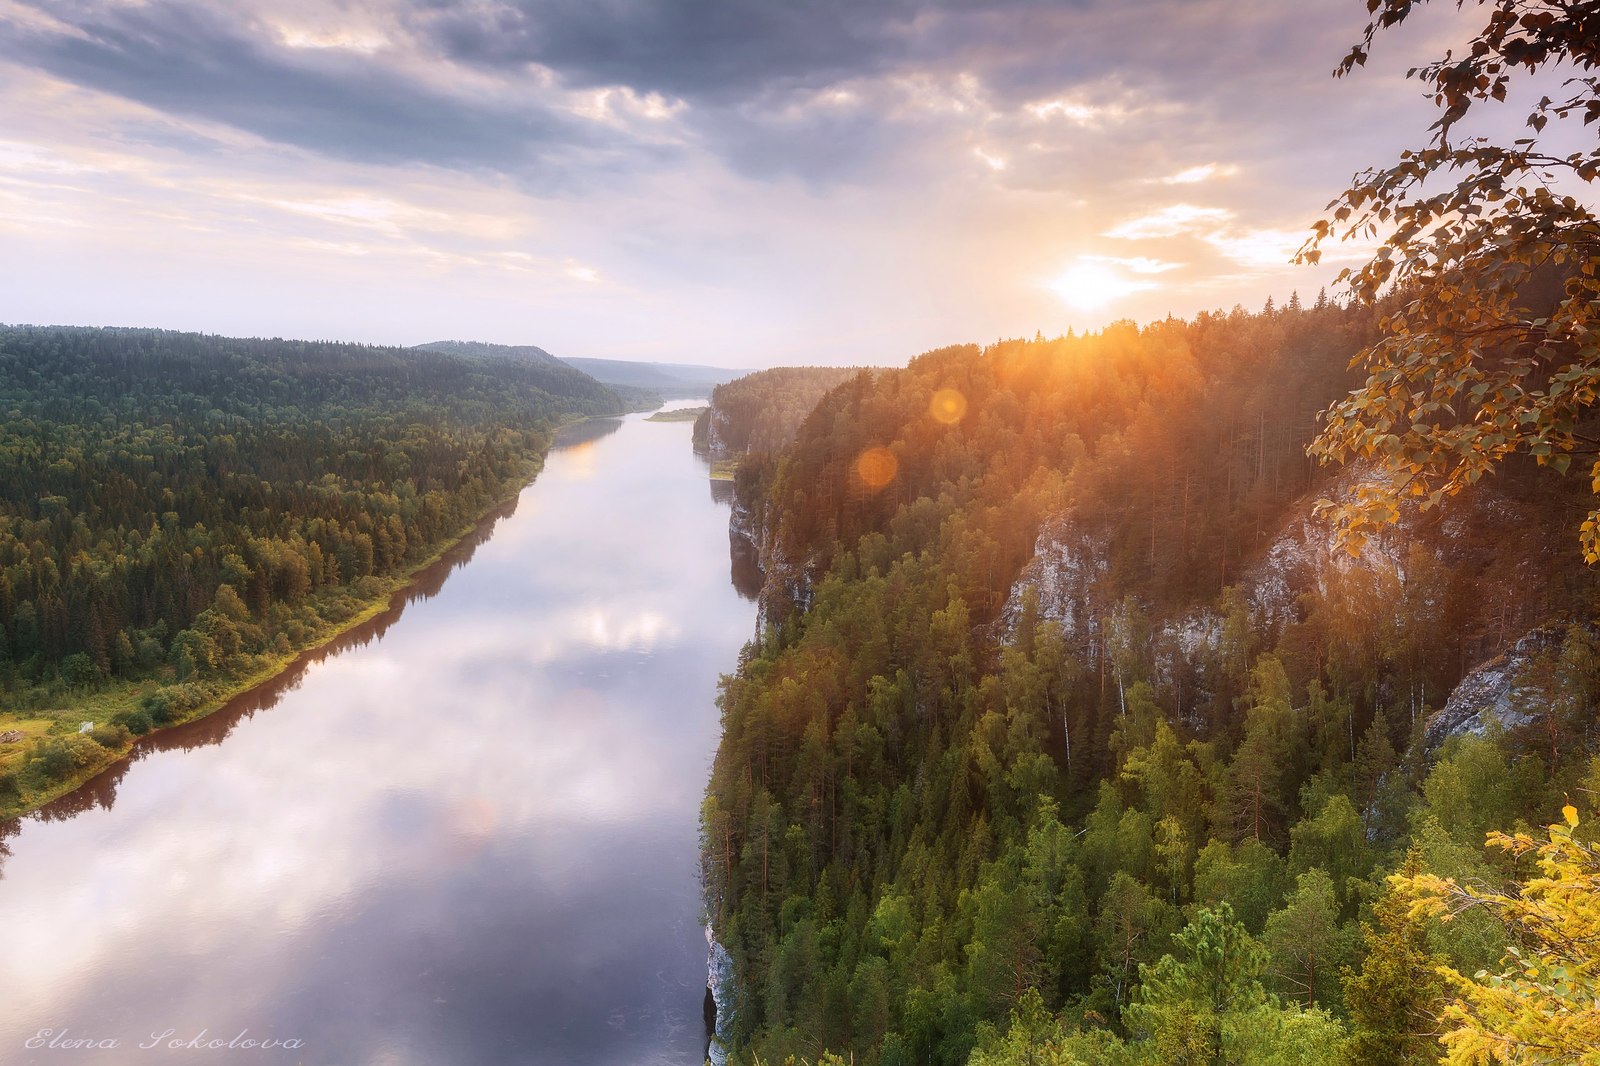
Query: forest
x=761, y=412
x=555, y=376
x=1074, y=735
x=179, y=513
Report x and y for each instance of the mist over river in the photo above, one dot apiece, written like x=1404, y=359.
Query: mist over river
x=465, y=833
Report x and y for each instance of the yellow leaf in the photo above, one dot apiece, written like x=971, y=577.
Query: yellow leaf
x=1570, y=813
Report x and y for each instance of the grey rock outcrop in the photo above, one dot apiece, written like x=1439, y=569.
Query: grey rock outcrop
x=1497, y=693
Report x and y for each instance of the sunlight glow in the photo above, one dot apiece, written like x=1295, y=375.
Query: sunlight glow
x=1260, y=248
x=1170, y=221
x=615, y=105
x=1204, y=172
x=994, y=162
x=1139, y=264
x=1089, y=285
x=1082, y=114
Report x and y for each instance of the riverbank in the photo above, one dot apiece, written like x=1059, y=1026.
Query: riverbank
x=677, y=414
x=344, y=607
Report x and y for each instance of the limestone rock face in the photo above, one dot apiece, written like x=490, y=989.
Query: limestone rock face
x=1067, y=567
x=1497, y=691
x=719, y=980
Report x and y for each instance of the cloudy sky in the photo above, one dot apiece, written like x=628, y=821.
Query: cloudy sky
x=742, y=182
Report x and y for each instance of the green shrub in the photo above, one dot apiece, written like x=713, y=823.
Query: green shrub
x=136, y=722
x=79, y=670
x=110, y=736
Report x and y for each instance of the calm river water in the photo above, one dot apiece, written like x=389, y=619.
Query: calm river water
x=466, y=834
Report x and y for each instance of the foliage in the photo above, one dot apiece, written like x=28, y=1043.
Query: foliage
x=1492, y=332
x=1544, y=1005
x=540, y=369
x=1307, y=943
x=179, y=510
x=1206, y=1004
x=1033, y=1037
x=1397, y=993
x=941, y=803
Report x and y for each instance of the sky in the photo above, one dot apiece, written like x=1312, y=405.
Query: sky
x=736, y=182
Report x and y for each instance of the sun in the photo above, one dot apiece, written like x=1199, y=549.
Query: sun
x=1089, y=285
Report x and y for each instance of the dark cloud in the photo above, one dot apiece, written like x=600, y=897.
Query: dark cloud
x=729, y=53
x=701, y=50
x=748, y=69
x=819, y=146
x=196, y=61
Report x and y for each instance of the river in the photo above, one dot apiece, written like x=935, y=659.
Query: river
x=465, y=833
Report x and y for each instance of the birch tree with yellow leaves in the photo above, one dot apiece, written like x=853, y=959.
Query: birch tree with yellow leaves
x=1543, y=1007
x=1489, y=255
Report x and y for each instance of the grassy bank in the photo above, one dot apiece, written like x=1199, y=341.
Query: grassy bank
x=78, y=756
x=678, y=414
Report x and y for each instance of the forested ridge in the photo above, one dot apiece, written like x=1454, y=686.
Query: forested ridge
x=553, y=375
x=181, y=511
x=762, y=412
x=1072, y=735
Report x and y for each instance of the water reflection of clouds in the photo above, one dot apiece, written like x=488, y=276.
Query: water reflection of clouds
x=617, y=626
x=478, y=829
x=584, y=433
x=305, y=863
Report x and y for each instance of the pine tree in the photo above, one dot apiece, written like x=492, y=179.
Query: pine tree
x=1306, y=943
x=1394, y=1000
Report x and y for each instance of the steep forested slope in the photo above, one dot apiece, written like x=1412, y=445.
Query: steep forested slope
x=179, y=510
x=1066, y=711
x=762, y=412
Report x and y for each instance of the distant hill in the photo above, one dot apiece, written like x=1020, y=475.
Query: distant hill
x=671, y=380
x=493, y=351
x=555, y=376
x=762, y=412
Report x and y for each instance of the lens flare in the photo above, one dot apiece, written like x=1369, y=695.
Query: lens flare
x=876, y=467
x=948, y=406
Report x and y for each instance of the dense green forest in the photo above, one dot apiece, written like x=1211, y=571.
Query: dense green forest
x=1073, y=736
x=179, y=512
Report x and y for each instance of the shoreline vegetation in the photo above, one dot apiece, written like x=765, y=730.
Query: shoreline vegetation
x=372, y=595
x=677, y=414
x=182, y=514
